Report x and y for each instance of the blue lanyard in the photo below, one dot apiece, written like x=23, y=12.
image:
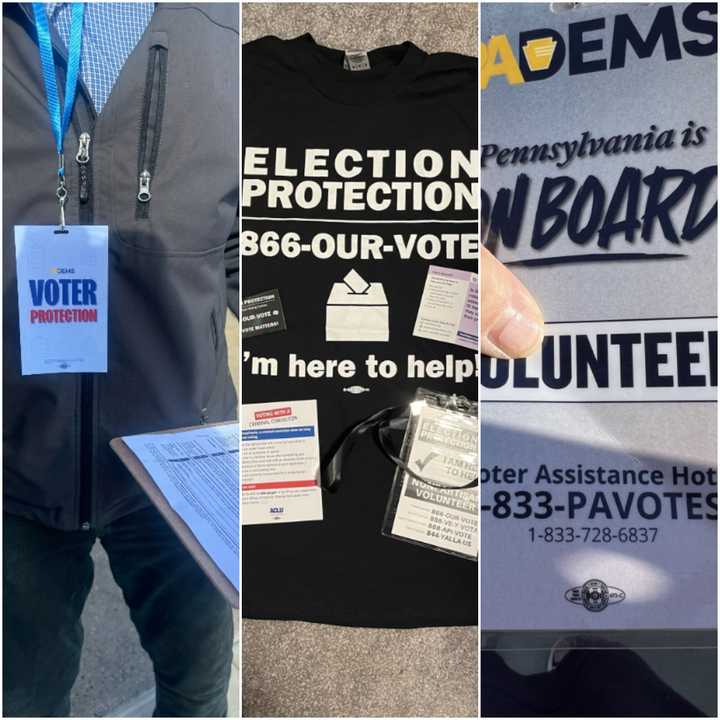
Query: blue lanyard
x=58, y=124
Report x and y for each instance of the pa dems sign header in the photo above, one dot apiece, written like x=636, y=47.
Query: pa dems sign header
x=588, y=47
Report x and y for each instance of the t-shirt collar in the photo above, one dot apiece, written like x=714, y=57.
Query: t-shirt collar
x=391, y=68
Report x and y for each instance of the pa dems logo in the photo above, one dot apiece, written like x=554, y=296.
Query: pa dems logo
x=595, y=595
x=598, y=44
x=62, y=271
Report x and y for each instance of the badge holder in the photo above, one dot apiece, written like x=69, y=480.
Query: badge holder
x=61, y=270
x=434, y=497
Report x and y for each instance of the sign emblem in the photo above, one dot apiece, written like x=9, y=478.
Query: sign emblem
x=595, y=595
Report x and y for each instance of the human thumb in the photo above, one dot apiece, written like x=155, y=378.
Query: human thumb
x=511, y=323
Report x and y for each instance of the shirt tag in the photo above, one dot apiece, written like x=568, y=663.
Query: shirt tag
x=262, y=314
x=356, y=60
x=62, y=298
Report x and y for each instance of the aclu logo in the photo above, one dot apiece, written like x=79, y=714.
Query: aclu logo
x=277, y=510
x=595, y=595
x=62, y=271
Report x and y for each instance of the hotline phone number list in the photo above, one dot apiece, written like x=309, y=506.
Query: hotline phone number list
x=597, y=495
x=595, y=534
x=600, y=505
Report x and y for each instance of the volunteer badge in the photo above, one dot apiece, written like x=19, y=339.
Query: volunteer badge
x=62, y=281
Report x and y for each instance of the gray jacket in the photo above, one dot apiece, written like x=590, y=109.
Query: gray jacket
x=173, y=265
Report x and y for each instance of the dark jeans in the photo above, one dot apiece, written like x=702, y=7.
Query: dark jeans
x=586, y=683
x=184, y=623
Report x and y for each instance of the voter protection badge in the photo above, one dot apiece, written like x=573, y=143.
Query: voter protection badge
x=62, y=279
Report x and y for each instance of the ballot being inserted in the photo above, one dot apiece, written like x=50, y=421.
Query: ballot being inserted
x=193, y=477
x=357, y=311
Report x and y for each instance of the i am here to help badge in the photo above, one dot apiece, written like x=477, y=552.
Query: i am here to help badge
x=62, y=282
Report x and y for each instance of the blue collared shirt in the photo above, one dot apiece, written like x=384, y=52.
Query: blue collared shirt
x=110, y=33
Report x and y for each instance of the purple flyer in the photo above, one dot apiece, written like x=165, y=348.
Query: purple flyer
x=448, y=309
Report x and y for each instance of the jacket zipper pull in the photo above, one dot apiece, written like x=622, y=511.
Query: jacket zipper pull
x=144, y=193
x=83, y=153
x=83, y=159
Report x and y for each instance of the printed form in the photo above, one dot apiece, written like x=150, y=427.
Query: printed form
x=198, y=473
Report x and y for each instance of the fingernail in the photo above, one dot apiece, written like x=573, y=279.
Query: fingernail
x=518, y=331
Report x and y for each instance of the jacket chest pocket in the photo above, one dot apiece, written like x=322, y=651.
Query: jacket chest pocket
x=151, y=125
x=174, y=165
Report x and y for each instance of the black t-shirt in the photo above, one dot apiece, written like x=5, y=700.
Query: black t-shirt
x=373, y=171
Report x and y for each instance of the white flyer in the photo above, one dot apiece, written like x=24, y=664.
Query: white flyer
x=280, y=463
x=448, y=309
x=443, y=450
x=598, y=481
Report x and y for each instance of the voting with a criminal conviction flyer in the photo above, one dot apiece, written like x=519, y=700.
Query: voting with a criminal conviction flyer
x=599, y=191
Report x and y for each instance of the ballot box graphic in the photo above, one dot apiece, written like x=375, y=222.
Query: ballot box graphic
x=357, y=311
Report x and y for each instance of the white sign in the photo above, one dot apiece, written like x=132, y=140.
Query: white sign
x=598, y=499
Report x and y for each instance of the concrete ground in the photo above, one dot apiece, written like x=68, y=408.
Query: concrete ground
x=114, y=668
x=116, y=677
x=293, y=669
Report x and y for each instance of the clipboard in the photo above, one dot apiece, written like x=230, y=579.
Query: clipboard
x=178, y=525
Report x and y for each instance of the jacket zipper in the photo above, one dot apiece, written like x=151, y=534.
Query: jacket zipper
x=204, y=413
x=87, y=380
x=85, y=514
x=84, y=167
x=151, y=127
